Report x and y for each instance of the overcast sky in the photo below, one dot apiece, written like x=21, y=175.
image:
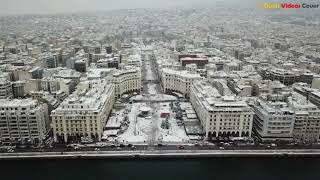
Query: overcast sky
x=58, y=6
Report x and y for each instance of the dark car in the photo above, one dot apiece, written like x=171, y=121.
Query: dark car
x=121, y=145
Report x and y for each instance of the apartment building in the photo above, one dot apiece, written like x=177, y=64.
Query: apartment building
x=5, y=89
x=273, y=120
x=23, y=121
x=307, y=119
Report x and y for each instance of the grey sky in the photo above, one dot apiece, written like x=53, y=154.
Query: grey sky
x=58, y=6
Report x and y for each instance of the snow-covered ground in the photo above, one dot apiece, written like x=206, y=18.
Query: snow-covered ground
x=150, y=75
x=155, y=97
x=148, y=129
x=133, y=133
x=174, y=134
x=152, y=88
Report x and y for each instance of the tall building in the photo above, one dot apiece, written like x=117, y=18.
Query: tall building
x=84, y=113
x=221, y=116
x=22, y=121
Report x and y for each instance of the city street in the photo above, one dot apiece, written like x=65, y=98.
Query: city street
x=150, y=78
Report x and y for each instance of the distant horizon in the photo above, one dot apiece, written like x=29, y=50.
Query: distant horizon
x=39, y=7
x=50, y=7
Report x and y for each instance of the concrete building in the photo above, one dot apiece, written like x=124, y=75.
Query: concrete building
x=232, y=66
x=307, y=119
x=273, y=120
x=314, y=97
x=178, y=81
x=52, y=85
x=84, y=113
x=287, y=77
x=127, y=80
x=23, y=121
x=199, y=61
x=221, y=116
x=241, y=87
x=132, y=60
x=316, y=83
x=5, y=89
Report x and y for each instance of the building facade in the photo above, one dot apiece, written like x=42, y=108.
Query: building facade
x=273, y=120
x=221, y=116
x=84, y=113
x=126, y=81
x=178, y=81
x=5, y=89
x=23, y=121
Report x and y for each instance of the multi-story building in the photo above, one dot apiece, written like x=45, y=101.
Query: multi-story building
x=273, y=120
x=84, y=113
x=53, y=85
x=314, y=97
x=23, y=121
x=178, y=81
x=132, y=60
x=240, y=87
x=287, y=77
x=127, y=80
x=307, y=119
x=221, y=116
x=5, y=89
x=267, y=87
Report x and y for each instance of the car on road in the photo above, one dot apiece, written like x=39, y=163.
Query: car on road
x=10, y=150
x=121, y=145
x=181, y=147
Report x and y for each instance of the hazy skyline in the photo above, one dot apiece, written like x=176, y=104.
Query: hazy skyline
x=62, y=6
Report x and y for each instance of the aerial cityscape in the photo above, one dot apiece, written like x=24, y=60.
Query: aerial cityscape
x=160, y=79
